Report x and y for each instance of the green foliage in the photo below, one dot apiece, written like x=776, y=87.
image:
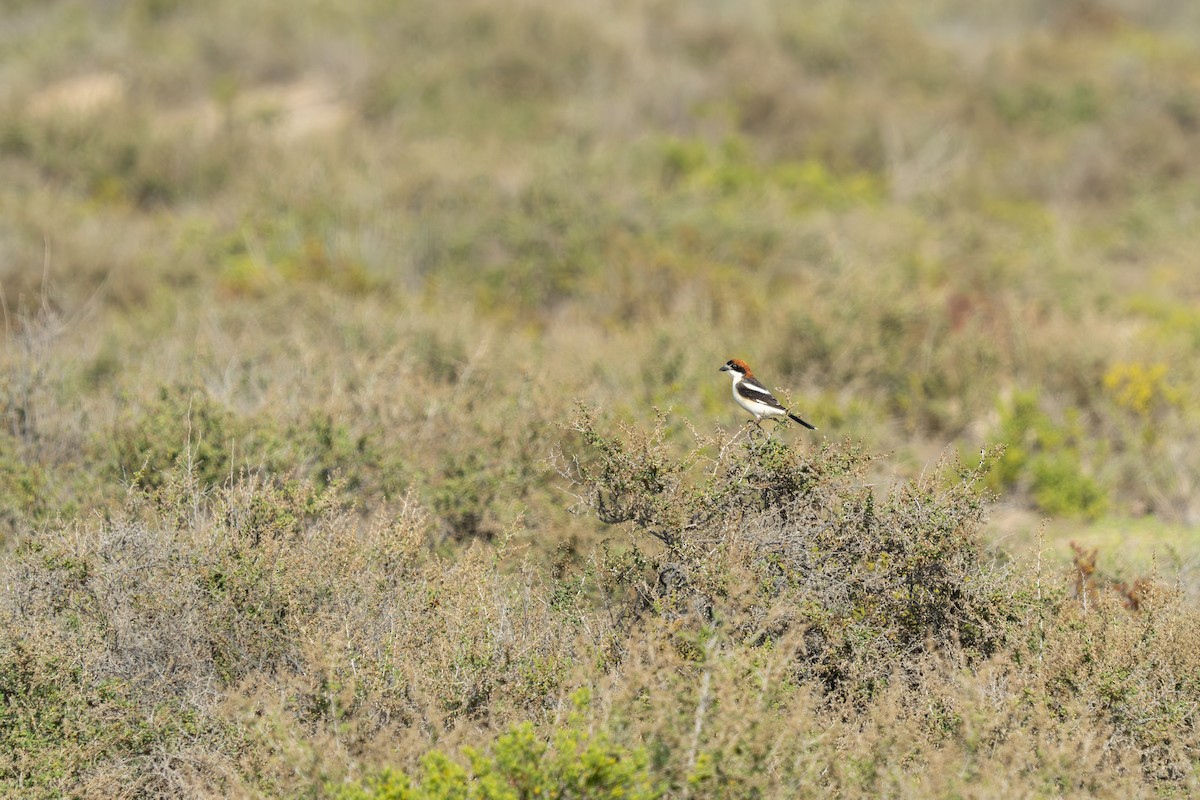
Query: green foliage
x=24, y=491
x=327, y=450
x=463, y=493
x=284, y=263
x=243, y=274
x=1046, y=458
x=575, y=765
x=1172, y=321
x=1048, y=107
x=731, y=171
x=182, y=427
x=1060, y=487
x=185, y=428
x=126, y=164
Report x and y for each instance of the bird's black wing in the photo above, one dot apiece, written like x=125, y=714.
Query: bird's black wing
x=751, y=389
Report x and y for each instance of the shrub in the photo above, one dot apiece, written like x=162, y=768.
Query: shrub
x=575, y=765
x=125, y=638
x=1142, y=389
x=184, y=428
x=765, y=540
x=463, y=492
x=1045, y=459
x=1061, y=488
x=730, y=171
x=24, y=493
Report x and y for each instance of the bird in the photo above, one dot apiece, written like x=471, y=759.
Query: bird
x=754, y=397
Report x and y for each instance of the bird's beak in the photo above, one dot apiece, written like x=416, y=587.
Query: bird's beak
x=724, y=368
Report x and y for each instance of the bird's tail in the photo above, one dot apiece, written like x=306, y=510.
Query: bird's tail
x=802, y=422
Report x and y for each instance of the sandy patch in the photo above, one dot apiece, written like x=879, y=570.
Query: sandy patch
x=82, y=95
x=299, y=109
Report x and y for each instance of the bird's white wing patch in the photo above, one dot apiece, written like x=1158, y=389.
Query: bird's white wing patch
x=751, y=387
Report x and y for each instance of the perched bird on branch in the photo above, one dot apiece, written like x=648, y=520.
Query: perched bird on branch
x=754, y=397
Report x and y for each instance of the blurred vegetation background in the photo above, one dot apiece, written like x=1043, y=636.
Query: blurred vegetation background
x=331, y=263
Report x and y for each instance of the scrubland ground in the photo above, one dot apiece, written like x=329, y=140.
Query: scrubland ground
x=362, y=434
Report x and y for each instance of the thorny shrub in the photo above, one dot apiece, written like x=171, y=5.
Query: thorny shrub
x=766, y=539
x=754, y=557
x=163, y=636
